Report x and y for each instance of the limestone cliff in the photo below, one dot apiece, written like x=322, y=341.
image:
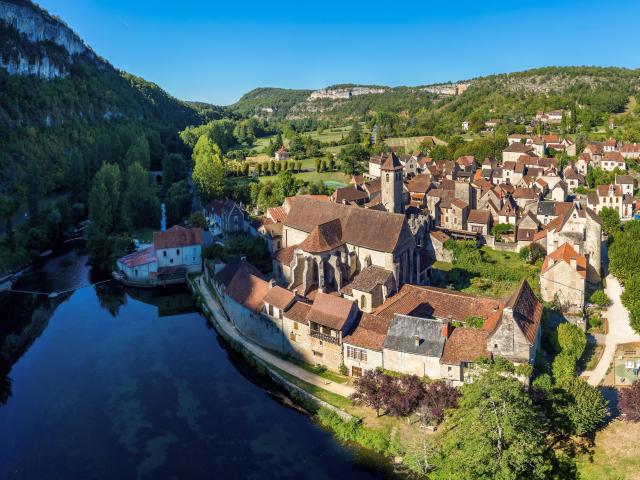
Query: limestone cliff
x=36, y=43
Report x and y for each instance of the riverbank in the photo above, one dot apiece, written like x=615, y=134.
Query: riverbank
x=327, y=400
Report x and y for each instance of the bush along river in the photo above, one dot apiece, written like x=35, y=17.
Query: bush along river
x=107, y=382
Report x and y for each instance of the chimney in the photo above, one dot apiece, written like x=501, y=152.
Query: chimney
x=446, y=329
x=416, y=339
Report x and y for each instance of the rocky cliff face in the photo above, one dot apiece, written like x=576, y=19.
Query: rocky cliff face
x=40, y=29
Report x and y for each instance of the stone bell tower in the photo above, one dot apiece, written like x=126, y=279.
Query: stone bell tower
x=391, y=183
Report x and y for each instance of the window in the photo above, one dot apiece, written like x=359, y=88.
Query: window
x=356, y=353
x=295, y=325
x=292, y=336
x=317, y=354
x=363, y=301
x=178, y=251
x=164, y=253
x=356, y=371
x=271, y=310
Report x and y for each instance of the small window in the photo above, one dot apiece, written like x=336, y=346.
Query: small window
x=164, y=253
x=363, y=301
x=171, y=260
x=295, y=325
x=495, y=345
x=317, y=354
x=178, y=251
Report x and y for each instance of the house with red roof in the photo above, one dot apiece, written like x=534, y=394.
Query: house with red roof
x=563, y=278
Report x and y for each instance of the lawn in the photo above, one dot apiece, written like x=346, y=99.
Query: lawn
x=498, y=275
x=615, y=455
x=409, y=143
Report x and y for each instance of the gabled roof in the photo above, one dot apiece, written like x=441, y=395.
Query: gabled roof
x=370, y=277
x=415, y=335
x=298, y=312
x=348, y=194
x=526, y=310
x=279, y=297
x=177, y=236
x=369, y=333
x=278, y=214
x=226, y=274
x=518, y=147
x=425, y=301
x=330, y=311
x=247, y=287
x=479, y=216
x=565, y=253
x=464, y=345
x=420, y=183
x=324, y=237
x=377, y=230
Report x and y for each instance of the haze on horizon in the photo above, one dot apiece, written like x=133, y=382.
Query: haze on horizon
x=215, y=53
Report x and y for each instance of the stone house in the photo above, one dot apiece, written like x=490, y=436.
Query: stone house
x=370, y=287
x=330, y=319
x=563, y=276
x=362, y=348
x=626, y=183
x=630, y=151
x=414, y=345
x=612, y=196
x=479, y=221
x=525, y=197
x=435, y=245
x=513, y=152
x=582, y=229
x=559, y=192
x=515, y=332
x=463, y=347
x=224, y=216
x=454, y=215
x=282, y=154
x=572, y=178
x=418, y=188
x=612, y=160
x=528, y=226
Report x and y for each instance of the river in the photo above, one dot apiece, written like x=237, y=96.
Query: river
x=113, y=383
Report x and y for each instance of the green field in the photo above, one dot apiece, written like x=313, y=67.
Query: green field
x=409, y=143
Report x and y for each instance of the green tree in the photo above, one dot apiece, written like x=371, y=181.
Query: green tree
x=351, y=159
x=104, y=200
x=495, y=433
x=138, y=152
x=177, y=202
x=141, y=202
x=209, y=171
x=610, y=220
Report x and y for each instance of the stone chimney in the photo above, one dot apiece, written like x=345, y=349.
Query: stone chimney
x=446, y=329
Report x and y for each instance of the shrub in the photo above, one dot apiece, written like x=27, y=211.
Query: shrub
x=474, y=321
x=629, y=402
x=438, y=397
x=564, y=367
x=343, y=370
x=572, y=340
x=600, y=298
x=353, y=431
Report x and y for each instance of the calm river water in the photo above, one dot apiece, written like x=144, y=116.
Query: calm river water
x=113, y=383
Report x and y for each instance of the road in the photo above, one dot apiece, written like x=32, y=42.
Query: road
x=290, y=368
x=620, y=330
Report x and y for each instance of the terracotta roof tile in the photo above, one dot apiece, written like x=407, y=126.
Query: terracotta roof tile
x=298, y=312
x=279, y=297
x=565, y=253
x=177, y=236
x=369, y=333
x=464, y=345
x=330, y=311
x=324, y=237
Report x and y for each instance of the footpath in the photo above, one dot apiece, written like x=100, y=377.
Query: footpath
x=230, y=330
x=620, y=331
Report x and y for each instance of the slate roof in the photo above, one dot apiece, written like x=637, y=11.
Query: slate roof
x=464, y=345
x=330, y=311
x=377, y=230
x=370, y=332
x=177, y=236
x=402, y=333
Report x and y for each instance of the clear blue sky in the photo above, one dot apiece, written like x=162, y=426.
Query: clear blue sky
x=215, y=51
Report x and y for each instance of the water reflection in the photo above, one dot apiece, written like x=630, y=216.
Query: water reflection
x=113, y=382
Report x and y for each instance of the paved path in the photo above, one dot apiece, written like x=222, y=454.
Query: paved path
x=620, y=330
x=290, y=368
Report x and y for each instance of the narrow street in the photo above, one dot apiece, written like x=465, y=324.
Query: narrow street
x=620, y=330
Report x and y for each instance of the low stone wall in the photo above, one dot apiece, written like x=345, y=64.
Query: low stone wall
x=296, y=392
x=501, y=246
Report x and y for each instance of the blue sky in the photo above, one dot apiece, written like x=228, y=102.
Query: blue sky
x=216, y=51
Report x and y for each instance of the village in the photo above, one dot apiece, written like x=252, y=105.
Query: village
x=353, y=281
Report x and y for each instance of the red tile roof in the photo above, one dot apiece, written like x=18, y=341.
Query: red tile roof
x=143, y=257
x=464, y=345
x=279, y=297
x=330, y=311
x=565, y=253
x=369, y=333
x=177, y=236
x=324, y=237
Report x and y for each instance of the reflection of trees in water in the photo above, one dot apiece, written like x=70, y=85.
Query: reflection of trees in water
x=170, y=300
x=5, y=383
x=111, y=296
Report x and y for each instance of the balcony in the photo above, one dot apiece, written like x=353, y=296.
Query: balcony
x=325, y=338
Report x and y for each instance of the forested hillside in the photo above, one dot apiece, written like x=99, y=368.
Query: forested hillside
x=64, y=112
